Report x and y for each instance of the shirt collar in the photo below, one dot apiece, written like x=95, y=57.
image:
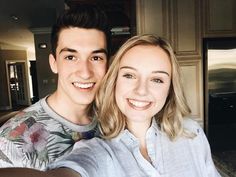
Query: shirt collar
x=129, y=139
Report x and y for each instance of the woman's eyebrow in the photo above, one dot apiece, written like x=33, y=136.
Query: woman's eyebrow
x=127, y=67
x=157, y=71
x=162, y=72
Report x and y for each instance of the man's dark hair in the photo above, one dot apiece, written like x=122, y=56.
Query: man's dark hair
x=86, y=16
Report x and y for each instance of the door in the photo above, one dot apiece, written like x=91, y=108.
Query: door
x=18, y=84
x=33, y=73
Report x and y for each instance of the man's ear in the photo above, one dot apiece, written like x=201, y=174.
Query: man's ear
x=53, y=63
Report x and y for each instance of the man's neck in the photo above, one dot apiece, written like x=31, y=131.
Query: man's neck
x=77, y=114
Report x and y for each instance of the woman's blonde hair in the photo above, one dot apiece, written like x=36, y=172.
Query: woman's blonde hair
x=170, y=118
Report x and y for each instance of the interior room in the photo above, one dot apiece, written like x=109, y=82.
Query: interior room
x=202, y=33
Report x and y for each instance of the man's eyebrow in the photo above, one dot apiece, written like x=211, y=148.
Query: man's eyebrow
x=66, y=49
x=158, y=71
x=100, y=51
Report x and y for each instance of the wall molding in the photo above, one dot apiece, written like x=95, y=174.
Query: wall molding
x=192, y=81
x=43, y=30
x=5, y=108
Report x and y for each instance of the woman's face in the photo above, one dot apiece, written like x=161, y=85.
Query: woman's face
x=143, y=83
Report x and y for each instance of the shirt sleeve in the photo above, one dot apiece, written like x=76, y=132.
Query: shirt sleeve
x=17, y=148
x=9, y=155
x=211, y=169
x=81, y=159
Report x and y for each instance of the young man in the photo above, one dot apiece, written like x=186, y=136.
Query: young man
x=48, y=129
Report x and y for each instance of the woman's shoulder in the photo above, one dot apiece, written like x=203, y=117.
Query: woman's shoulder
x=191, y=125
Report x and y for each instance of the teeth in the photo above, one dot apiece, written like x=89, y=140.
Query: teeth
x=83, y=86
x=139, y=103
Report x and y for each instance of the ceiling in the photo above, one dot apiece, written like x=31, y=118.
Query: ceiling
x=19, y=17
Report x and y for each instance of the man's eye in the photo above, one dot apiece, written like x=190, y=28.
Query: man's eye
x=97, y=58
x=157, y=80
x=70, y=57
x=129, y=76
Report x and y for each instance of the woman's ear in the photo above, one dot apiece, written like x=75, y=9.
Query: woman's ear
x=53, y=63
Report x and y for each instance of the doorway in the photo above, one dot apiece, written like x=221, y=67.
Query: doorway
x=18, y=86
x=34, y=81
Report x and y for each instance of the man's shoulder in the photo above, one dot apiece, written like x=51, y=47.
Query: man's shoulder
x=23, y=121
x=34, y=111
x=35, y=107
x=16, y=127
x=25, y=138
x=20, y=135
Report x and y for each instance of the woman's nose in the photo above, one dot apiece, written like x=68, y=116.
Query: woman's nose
x=141, y=87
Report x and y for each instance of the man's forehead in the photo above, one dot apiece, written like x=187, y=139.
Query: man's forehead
x=82, y=32
x=82, y=40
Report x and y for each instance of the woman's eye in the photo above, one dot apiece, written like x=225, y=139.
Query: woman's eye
x=70, y=57
x=157, y=80
x=129, y=76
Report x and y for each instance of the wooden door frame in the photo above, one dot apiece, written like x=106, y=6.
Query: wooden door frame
x=27, y=88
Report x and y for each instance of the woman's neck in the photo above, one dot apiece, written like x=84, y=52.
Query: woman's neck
x=144, y=151
x=139, y=130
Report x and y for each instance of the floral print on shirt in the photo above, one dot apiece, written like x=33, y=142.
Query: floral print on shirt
x=34, y=135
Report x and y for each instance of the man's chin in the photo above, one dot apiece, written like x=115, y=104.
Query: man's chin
x=84, y=101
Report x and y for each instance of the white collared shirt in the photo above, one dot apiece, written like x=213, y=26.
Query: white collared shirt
x=121, y=157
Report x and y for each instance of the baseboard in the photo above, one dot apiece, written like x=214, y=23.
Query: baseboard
x=5, y=108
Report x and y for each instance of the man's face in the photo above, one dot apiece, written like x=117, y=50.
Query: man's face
x=80, y=63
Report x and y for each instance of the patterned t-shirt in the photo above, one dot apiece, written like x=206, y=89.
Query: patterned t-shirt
x=38, y=136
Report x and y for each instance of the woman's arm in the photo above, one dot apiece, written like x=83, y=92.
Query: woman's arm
x=27, y=172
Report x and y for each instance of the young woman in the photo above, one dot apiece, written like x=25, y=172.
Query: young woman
x=142, y=113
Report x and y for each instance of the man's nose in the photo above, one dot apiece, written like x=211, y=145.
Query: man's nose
x=84, y=69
